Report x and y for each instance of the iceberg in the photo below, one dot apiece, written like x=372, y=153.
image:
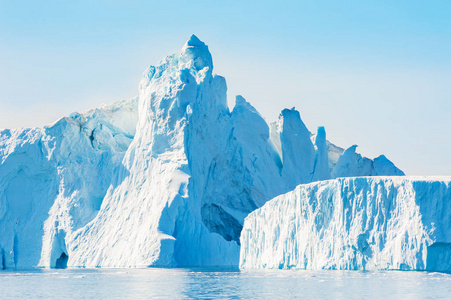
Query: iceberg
x=361, y=223
x=165, y=179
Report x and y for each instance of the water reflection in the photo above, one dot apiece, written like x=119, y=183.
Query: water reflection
x=215, y=283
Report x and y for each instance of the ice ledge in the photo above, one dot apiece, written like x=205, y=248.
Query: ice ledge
x=359, y=223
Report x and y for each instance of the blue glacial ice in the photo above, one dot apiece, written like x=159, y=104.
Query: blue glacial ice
x=364, y=223
x=164, y=179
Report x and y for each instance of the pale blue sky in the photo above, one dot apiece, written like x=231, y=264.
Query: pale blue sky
x=374, y=73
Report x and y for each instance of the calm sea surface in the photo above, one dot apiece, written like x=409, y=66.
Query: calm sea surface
x=228, y=284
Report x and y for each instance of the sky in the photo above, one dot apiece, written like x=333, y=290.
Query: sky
x=374, y=73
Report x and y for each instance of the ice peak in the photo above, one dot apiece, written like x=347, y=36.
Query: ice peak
x=321, y=133
x=196, y=53
x=351, y=149
x=193, y=41
x=292, y=116
x=239, y=100
x=241, y=103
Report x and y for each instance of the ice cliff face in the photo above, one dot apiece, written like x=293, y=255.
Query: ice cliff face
x=53, y=180
x=365, y=223
x=165, y=179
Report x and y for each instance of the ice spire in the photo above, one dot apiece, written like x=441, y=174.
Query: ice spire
x=321, y=167
x=196, y=54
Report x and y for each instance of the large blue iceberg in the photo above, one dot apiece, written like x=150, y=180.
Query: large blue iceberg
x=164, y=179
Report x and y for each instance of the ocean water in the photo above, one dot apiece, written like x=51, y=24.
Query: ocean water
x=223, y=284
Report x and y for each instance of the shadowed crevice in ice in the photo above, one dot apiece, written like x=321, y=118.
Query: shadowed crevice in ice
x=61, y=262
x=3, y=259
x=218, y=220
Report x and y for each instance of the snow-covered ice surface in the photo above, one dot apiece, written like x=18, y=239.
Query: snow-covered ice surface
x=164, y=179
x=365, y=223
